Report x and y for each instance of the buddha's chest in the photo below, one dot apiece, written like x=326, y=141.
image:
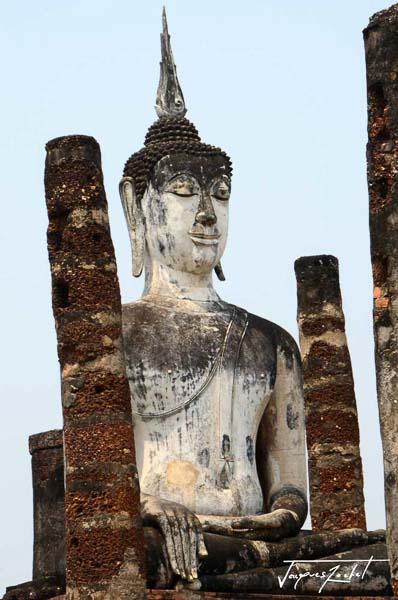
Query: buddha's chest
x=216, y=362
x=216, y=425
x=199, y=387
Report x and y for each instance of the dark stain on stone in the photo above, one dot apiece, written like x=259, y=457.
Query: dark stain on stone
x=170, y=241
x=61, y=294
x=249, y=449
x=157, y=438
x=292, y=417
x=225, y=446
x=204, y=457
x=288, y=357
x=179, y=437
x=223, y=479
x=158, y=216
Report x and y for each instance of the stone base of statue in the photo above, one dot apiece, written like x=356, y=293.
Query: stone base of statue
x=171, y=595
x=39, y=589
x=298, y=566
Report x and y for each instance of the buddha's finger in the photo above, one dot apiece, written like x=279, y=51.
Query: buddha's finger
x=216, y=527
x=178, y=544
x=190, y=554
x=254, y=522
x=185, y=543
x=193, y=556
x=168, y=537
x=200, y=540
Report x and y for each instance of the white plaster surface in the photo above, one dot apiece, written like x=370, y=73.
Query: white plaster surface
x=196, y=441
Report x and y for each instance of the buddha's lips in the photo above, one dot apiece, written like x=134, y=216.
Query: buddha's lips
x=204, y=238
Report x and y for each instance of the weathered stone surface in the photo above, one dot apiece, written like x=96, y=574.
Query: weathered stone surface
x=225, y=554
x=169, y=98
x=48, y=504
x=335, y=466
x=297, y=581
x=46, y=440
x=381, y=48
x=48, y=519
x=239, y=558
x=216, y=392
x=193, y=595
x=40, y=589
x=104, y=541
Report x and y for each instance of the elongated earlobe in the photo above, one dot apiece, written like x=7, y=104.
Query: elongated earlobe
x=219, y=272
x=135, y=224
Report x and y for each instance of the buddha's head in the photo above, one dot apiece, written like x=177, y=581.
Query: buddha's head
x=175, y=191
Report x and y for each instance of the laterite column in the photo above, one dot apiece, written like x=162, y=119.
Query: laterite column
x=335, y=466
x=381, y=46
x=104, y=538
x=48, y=505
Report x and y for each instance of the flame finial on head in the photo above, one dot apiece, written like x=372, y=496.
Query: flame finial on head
x=169, y=98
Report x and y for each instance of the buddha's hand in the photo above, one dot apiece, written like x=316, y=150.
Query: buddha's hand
x=269, y=527
x=181, y=531
x=285, y=519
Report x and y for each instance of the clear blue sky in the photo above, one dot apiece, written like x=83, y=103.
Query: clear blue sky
x=279, y=84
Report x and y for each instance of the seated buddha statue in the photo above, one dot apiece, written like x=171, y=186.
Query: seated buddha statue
x=216, y=391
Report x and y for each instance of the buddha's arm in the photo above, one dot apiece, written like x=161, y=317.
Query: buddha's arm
x=281, y=458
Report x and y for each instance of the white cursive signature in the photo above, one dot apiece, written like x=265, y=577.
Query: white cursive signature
x=332, y=575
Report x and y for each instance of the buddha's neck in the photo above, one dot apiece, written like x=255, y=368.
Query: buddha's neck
x=164, y=281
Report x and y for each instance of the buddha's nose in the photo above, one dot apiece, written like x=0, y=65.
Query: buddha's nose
x=206, y=215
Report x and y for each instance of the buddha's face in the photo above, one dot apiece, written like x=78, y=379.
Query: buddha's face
x=185, y=210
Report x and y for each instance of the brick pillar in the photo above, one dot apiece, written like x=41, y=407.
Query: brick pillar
x=335, y=466
x=381, y=47
x=48, y=504
x=104, y=538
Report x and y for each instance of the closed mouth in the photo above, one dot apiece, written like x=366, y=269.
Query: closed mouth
x=204, y=238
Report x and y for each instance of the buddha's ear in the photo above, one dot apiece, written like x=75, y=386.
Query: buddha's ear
x=219, y=271
x=135, y=223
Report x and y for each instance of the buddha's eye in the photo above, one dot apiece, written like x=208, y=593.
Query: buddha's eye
x=221, y=190
x=183, y=185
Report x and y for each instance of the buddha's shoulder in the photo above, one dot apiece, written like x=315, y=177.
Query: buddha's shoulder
x=144, y=321
x=167, y=314
x=260, y=328
x=140, y=312
x=164, y=328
